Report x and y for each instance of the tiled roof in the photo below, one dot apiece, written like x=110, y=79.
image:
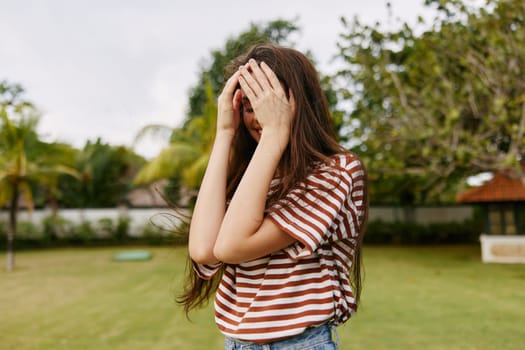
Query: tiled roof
x=148, y=196
x=502, y=188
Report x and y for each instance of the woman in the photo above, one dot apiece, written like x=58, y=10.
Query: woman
x=281, y=212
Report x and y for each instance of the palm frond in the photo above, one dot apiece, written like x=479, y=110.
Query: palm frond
x=170, y=160
x=25, y=191
x=6, y=191
x=36, y=170
x=192, y=176
x=155, y=131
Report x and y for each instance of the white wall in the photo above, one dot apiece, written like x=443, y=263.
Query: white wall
x=139, y=216
x=164, y=216
x=422, y=215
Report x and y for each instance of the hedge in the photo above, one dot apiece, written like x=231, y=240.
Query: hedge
x=380, y=232
x=116, y=232
x=104, y=232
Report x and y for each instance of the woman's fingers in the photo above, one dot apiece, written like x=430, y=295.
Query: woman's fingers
x=228, y=117
x=236, y=102
x=229, y=87
x=261, y=77
x=261, y=86
x=255, y=77
x=237, y=98
x=271, y=77
x=247, y=89
x=232, y=82
x=251, y=80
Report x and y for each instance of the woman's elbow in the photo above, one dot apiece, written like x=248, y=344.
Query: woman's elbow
x=202, y=256
x=226, y=253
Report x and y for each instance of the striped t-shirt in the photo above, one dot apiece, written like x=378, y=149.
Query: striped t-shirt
x=306, y=284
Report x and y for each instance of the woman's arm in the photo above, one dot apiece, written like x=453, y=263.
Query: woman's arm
x=211, y=200
x=244, y=233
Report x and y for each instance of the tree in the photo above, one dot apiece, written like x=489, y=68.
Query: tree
x=21, y=158
x=106, y=176
x=185, y=159
x=278, y=32
x=50, y=193
x=437, y=107
x=186, y=156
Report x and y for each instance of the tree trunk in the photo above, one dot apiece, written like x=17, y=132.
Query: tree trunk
x=11, y=230
x=56, y=228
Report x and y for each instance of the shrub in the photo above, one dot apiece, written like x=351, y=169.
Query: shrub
x=83, y=233
x=122, y=228
x=380, y=232
x=55, y=228
x=156, y=235
x=26, y=229
x=105, y=228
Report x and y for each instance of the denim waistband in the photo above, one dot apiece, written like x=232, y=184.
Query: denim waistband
x=323, y=334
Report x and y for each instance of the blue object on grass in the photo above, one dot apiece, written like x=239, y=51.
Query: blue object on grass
x=132, y=255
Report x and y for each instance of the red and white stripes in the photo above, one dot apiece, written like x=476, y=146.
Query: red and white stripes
x=307, y=283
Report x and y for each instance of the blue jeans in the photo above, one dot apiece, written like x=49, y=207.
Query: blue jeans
x=313, y=338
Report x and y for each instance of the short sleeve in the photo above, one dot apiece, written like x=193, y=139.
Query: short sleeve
x=329, y=206
x=206, y=271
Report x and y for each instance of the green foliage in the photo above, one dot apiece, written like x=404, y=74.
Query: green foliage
x=28, y=230
x=106, y=176
x=212, y=71
x=186, y=157
x=431, y=109
x=105, y=227
x=56, y=231
x=122, y=228
x=153, y=234
x=107, y=231
x=55, y=227
x=18, y=143
x=171, y=231
x=83, y=233
x=381, y=232
x=25, y=160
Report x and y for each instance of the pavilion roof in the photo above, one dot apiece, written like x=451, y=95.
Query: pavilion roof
x=503, y=187
x=148, y=196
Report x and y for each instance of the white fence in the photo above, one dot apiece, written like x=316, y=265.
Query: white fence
x=142, y=216
x=139, y=217
x=423, y=214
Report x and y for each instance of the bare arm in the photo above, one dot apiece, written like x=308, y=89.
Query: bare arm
x=244, y=233
x=211, y=200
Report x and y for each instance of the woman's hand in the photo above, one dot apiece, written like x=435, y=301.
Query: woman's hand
x=273, y=110
x=229, y=102
x=211, y=201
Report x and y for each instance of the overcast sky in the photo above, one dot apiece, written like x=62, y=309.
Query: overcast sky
x=106, y=68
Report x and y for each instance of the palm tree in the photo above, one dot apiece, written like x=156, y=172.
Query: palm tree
x=63, y=154
x=24, y=159
x=188, y=151
x=107, y=172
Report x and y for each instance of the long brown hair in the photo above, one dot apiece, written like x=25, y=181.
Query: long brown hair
x=312, y=142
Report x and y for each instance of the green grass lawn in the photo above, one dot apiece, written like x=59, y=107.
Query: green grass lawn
x=414, y=298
